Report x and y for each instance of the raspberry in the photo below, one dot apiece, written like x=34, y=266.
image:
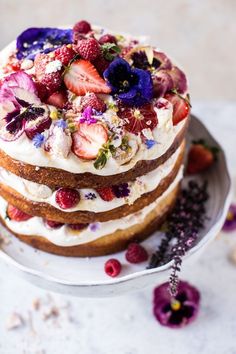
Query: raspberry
x=67, y=197
x=89, y=49
x=93, y=101
x=65, y=54
x=82, y=27
x=136, y=253
x=112, y=267
x=53, y=224
x=16, y=214
x=106, y=193
x=101, y=64
x=52, y=81
x=77, y=227
x=107, y=38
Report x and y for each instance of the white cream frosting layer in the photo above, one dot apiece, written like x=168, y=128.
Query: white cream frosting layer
x=66, y=237
x=23, y=150
x=41, y=193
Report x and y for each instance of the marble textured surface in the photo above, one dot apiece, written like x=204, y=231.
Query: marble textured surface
x=59, y=324
x=198, y=34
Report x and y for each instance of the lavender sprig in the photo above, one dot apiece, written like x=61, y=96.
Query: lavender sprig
x=183, y=226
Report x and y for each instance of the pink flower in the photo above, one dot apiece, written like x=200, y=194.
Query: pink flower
x=179, y=311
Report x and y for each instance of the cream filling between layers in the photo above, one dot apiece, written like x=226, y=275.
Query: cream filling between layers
x=43, y=194
x=66, y=237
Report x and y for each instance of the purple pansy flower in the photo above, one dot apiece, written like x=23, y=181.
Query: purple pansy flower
x=19, y=103
x=179, y=311
x=87, y=116
x=121, y=190
x=230, y=222
x=134, y=87
x=41, y=40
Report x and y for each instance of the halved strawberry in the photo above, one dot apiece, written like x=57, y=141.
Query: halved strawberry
x=88, y=139
x=138, y=118
x=181, y=107
x=82, y=77
x=199, y=159
x=16, y=214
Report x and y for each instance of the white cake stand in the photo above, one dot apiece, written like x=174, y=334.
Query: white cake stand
x=85, y=276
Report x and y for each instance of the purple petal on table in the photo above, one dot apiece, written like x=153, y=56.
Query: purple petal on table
x=230, y=221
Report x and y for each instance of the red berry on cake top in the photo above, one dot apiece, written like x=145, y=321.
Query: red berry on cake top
x=67, y=198
x=88, y=49
x=181, y=107
x=65, y=54
x=82, y=27
x=82, y=77
x=88, y=140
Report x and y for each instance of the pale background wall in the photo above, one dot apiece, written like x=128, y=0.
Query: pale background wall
x=200, y=34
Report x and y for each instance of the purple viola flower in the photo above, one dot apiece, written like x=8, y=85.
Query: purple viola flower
x=87, y=116
x=41, y=40
x=121, y=190
x=134, y=87
x=230, y=222
x=179, y=311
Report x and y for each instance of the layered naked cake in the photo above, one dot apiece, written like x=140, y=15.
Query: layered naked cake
x=92, y=139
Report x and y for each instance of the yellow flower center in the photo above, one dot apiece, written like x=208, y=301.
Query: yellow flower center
x=175, y=305
x=230, y=216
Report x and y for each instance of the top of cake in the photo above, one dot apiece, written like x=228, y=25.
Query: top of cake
x=88, y=100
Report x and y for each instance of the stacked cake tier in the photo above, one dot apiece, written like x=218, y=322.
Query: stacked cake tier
x=92, y=139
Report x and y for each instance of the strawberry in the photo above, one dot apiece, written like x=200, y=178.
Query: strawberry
x=16, y=214
x=82, y=77
x=181, y=107
x=199, y=158
x=138, y=118
x=58, y=99
x=88, y=49
x=65, y=54
x=106, y=193
x=93, y=101
x=88, y=139
x=67, y=198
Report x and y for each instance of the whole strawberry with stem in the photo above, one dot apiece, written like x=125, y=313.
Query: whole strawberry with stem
x=200, y=157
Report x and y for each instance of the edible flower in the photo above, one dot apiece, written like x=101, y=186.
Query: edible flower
x=133, y=86
x=41, y=40
x=87, y=116
x=179, y=311
x=230, y=222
